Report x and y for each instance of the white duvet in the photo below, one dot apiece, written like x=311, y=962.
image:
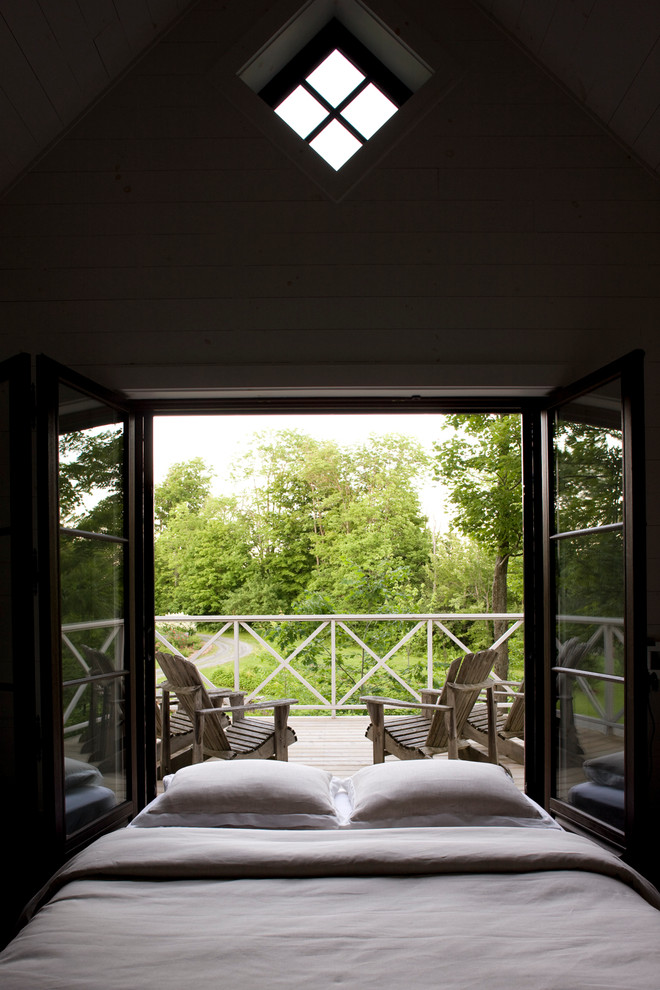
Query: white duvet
x=450, y=908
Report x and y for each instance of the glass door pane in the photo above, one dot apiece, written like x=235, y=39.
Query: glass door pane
x=92, y=574
x=587, y=548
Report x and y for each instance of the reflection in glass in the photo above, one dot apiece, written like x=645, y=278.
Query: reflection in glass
x=92, y=573
x=588, y=464
x=590, y=755
x=90, y=466
x=92, y=552
x=589, y=576
x=590, y=596
x=94, y=750
x=93, y=693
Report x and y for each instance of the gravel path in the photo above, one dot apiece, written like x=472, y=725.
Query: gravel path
x=222, y=651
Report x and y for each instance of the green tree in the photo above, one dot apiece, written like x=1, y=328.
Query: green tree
x=481, y=468
x=372, y=523
x=201, y=558
x=187, y=483
x=277, y=505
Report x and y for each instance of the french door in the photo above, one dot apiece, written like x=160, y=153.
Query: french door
x=595, y=678
x=91, y=606
x=75, y=526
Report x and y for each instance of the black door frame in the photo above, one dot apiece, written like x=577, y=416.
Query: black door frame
x=49, y=376
x=533, y=413
x=629, y=370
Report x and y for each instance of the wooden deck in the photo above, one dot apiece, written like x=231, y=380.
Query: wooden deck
x=339, y=745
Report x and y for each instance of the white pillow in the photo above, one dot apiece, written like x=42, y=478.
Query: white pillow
x=439, y=792
x=244, y=794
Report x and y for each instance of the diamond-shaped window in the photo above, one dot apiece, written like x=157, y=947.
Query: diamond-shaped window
x=335, y=94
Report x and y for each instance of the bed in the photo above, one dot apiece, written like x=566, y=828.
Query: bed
x=431, y=873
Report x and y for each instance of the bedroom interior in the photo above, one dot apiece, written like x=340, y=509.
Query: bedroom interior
x=170, y=245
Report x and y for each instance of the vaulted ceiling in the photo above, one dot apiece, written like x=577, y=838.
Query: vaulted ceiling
x=58, y=57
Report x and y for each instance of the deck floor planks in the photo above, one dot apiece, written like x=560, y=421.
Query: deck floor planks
x=339, y=745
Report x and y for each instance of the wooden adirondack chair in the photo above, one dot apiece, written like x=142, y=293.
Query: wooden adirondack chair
x=214, y=733
x=103, y=738
x=177, y=751
x=509, y=719
x=443, y=713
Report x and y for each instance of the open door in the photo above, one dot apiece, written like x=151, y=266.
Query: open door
x=19, y=729
x=596, y=683
x=91, y=606
x=77, y=734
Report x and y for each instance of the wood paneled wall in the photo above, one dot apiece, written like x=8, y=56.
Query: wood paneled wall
x=165, y=242
x=506, y=243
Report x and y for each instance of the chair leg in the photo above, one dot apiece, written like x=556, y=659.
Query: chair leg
x=492, y=726
x=198, y=738
x=281, y=739
x=450, y=718
x=377, y=715
x=165, y=742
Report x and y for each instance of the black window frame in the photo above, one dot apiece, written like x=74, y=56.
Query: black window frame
x=633, y=841
x=334, y=36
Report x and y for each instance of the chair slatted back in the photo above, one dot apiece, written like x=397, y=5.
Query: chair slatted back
x=515, y=720
x=183, y=673
x=473, y=668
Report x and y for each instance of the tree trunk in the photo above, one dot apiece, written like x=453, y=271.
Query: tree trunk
x=500, y=602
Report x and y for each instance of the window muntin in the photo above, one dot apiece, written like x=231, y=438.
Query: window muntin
x=335, y=94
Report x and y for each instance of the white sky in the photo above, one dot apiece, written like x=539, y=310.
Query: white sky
x=219, y=441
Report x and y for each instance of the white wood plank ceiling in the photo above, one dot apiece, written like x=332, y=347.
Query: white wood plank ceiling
x=57, y=57
x=605, y=52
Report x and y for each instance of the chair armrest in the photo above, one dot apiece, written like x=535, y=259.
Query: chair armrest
x=252, y=706
x=481, y=686
x=396, y=703
x=179, y=689
x=281, y=706
x=220, y=694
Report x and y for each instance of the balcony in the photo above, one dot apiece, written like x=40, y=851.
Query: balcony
x=306, y=656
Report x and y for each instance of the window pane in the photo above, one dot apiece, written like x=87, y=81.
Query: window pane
x=91, y=580
x=589, y=462
x=94, y=750
x=335, y=78
x=590, y=768
x=369, y=111
x=590, y=575
x=590, y=688
x=301, y=111
x=93, y=699
x=90, y=465
x=335, y=144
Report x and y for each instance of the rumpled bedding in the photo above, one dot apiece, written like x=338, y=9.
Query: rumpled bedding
x=468, y=908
